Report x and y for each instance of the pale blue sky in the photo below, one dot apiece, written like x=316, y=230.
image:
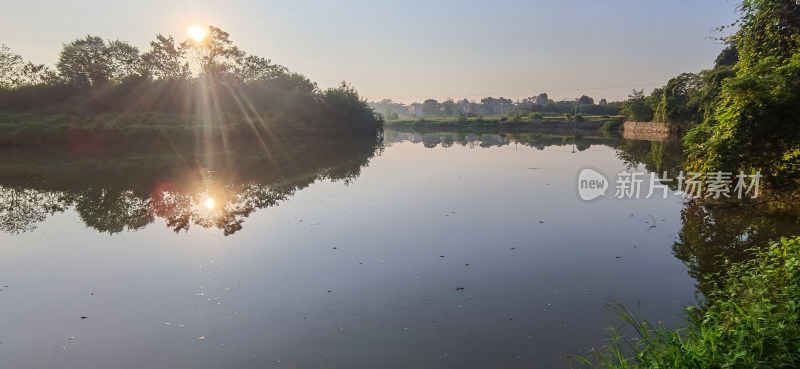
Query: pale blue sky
x=412, y=50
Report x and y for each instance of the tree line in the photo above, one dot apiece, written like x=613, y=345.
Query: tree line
x=491, y=106
x=95, y=76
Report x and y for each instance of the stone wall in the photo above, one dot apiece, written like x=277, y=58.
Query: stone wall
x=649, y=131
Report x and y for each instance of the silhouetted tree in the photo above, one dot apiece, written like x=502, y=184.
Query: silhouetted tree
x=92, y=62
x=165, y=60
x=216, y=54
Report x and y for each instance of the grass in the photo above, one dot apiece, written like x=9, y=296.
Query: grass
x=751, y=320
x=132, y=128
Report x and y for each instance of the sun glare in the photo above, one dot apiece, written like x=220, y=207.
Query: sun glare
x=210, y=203
x=197, y=33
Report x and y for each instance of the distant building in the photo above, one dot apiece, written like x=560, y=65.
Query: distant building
x=415, y=109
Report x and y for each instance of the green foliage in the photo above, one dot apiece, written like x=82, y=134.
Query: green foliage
x=752, y=320
x=91, y=61
x=535, y=116
x=579, y=118
x=343, y=106
x=677, y=105
x=767, y=28
x=611, y=125
x=636, y=108
x=753, y=124
x=390, y=115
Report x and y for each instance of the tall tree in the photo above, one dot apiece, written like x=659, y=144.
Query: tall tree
x=585, y=100
x=541, y=99
x=448, y=107
x=216, y=54
x=11, y=65
x=635, y=108
x=430, y=108
x=165, y=60
x=91, y=61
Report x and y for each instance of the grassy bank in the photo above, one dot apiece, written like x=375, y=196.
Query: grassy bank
x=751, y=320
x=21, y=129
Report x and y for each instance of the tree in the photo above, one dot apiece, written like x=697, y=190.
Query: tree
x=728, y=56
x=92, y=62
x=165, y=60
x=254, y=68
x=635, y=108
x=674, y=106
x=216, y=55
x=602, y=102
x=390, y=114
x=541, y=99
x=124, y=60
x=448, y=107
x=585, y=100
x=10, y=66
x=430, y=108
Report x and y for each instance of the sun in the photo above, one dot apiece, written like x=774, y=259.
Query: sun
x=210, y=203
x=197, y=33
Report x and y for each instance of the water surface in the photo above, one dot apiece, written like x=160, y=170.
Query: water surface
x=437, y=250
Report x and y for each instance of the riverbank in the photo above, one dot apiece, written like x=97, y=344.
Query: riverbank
x=26, y=130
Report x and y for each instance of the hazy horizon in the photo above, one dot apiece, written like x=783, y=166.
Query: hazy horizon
x=412, y=51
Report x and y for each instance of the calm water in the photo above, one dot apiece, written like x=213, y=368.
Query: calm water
x=440, y=251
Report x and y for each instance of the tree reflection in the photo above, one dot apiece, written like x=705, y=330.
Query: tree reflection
x=113, y=194
x=580, y=141
x=715, y=231
x=656, y=156
x=22, y=208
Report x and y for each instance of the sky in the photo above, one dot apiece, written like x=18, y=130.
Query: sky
x=409, y=51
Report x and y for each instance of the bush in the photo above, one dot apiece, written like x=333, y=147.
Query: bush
x=535, y=116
